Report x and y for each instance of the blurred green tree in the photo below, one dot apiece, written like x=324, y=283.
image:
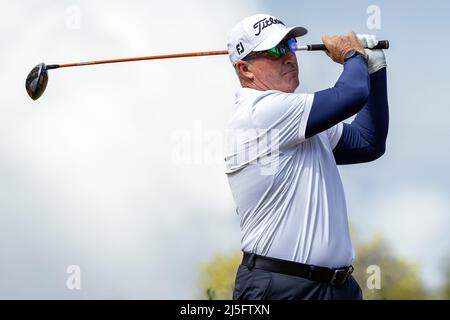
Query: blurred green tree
x=398, y=278
x=217, y=276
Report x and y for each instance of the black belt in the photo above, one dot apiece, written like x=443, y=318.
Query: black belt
x=335, y=277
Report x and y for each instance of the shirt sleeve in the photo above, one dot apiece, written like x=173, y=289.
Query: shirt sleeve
x=364, y=139
x=284, y=114
x=348, y=96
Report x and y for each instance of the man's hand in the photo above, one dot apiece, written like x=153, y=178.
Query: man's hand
x=339, y=46
x=376, y=59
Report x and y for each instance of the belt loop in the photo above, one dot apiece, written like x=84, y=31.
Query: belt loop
x=311, y=271
x=251, y=261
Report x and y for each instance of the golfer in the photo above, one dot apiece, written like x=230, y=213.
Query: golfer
x=282, y=158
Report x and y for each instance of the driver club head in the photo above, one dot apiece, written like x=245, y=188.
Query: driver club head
x=37, y=81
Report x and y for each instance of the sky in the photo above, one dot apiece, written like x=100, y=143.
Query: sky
x=118, y=169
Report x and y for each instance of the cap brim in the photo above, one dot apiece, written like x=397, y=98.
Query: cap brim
x=274, y=39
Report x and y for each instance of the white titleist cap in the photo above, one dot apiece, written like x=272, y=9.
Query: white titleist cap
x=259, y=32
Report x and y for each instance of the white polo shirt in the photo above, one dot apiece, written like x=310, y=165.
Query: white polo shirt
x=287, y=189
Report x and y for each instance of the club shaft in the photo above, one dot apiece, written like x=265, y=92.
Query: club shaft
x=163, y=56
x=383, y=44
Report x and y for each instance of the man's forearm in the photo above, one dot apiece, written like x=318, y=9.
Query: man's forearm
x=364, y=139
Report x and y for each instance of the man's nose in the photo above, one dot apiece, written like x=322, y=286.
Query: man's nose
x=290, y=58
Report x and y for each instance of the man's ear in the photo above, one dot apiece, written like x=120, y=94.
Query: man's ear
x=243, y=70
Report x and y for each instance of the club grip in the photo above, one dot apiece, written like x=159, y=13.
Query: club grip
x=382, y=44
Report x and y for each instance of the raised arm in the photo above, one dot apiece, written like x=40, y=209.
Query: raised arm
x=364, y=139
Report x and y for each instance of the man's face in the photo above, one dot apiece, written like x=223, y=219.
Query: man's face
x=275, y=74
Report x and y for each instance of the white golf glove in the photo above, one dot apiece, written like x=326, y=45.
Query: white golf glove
x=376, y=59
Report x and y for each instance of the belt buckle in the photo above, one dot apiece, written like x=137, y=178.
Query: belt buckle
x=346, y=273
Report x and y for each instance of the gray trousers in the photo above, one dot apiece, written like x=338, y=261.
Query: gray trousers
x=257, y=284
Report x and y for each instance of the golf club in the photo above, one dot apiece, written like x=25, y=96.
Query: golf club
x=37, y=79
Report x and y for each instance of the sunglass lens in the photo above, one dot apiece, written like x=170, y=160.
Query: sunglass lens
x=292, y=44
x=274, y=52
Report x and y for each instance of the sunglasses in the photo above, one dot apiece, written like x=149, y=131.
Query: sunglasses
x=278, y=51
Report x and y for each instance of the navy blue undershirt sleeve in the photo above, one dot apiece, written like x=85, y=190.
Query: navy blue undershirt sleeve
x=365, y=138
x=345, y=99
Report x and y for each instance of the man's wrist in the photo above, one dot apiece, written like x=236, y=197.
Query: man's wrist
x=354, y=53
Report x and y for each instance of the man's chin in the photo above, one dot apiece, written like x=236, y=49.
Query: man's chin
x=292, y=79
x=293, y=87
